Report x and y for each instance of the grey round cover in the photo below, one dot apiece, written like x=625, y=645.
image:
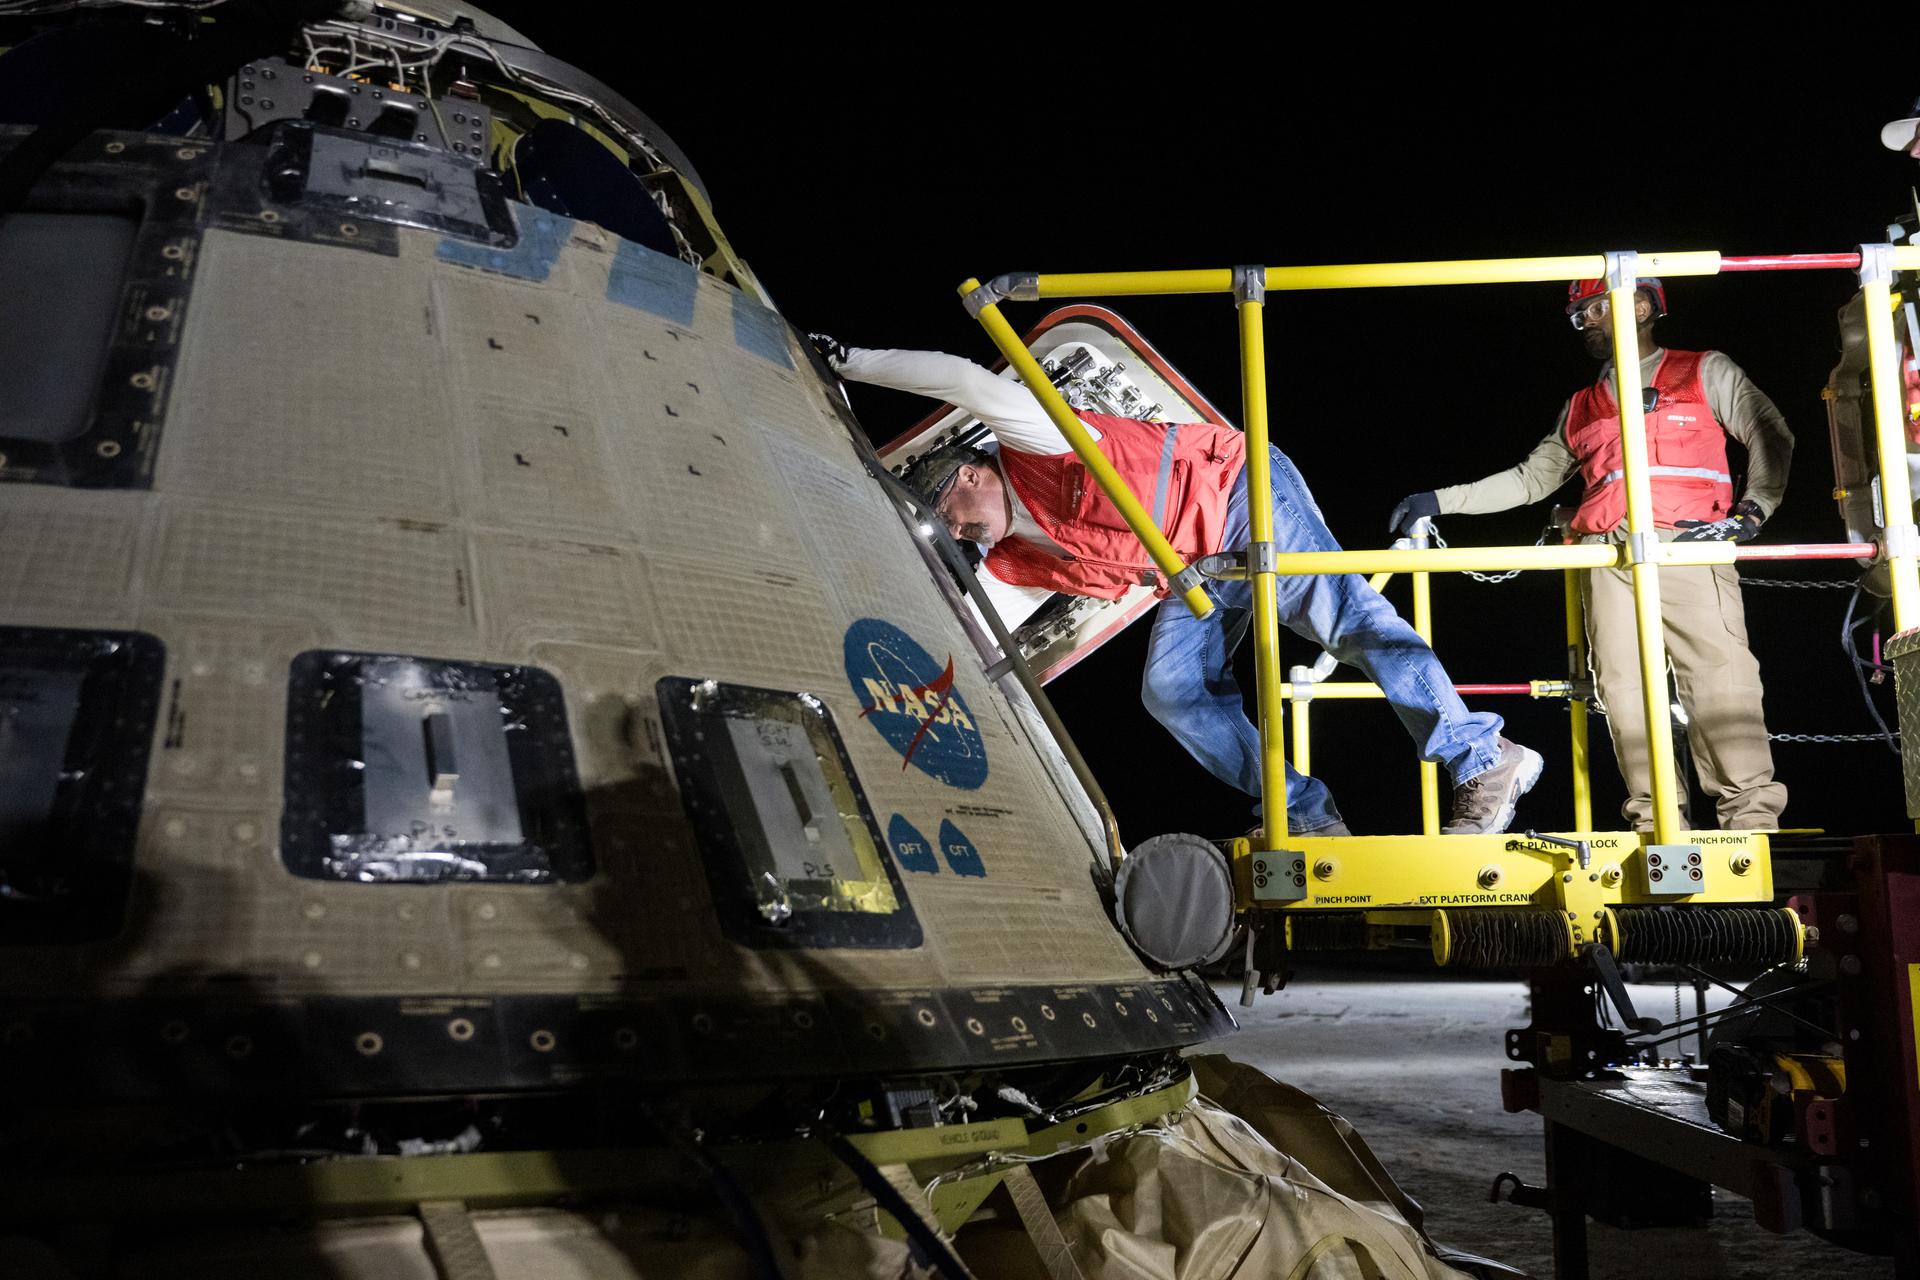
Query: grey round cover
x=1174, y=900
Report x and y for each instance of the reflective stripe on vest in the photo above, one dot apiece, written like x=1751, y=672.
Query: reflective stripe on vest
x=1687, y=476
x=1166, y=474
x=1191, y=470
x=1696, y=473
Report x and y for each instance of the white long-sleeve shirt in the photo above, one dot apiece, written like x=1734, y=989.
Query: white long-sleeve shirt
x=1003, y=405
x=1006, y=408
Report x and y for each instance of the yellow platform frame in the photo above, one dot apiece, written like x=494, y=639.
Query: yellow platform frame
x=1400, y=872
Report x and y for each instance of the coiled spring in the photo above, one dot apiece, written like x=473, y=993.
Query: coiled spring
x=1500, y=939
x=1329, y=931
x=1706, y=935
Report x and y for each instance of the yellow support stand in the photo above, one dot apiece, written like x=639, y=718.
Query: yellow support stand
x=1250, y=301
x=1577, y=706
x=1373, y=275
x=1896, y=494
x=1308, y=691
x=1364, y=275
x=1451, y=559
x=1642, y=539
x=1302, y=731
x=1423, y=627
x=1182, y=578
x=1374, y=873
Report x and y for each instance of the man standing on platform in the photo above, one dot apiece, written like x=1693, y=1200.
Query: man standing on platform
x=1694, y=401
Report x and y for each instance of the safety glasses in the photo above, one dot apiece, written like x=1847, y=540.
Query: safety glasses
x=1591, y=312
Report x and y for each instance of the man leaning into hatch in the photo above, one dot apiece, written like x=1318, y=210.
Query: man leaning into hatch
x=1696, y=399
x=1048, y=527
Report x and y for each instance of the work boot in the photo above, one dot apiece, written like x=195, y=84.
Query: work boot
x=1485, y=802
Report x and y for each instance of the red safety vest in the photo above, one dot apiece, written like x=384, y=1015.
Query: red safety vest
x=1183, y=473
x=1686, y=451
x=1903, y=327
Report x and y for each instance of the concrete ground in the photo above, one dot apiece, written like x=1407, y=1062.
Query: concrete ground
x=1415, y=1065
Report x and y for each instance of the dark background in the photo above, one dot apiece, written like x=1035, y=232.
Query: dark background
x=864, y=185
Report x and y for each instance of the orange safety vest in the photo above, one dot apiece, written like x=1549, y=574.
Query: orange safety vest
x=1910, y=384
x=1183, y=472
x=1686, y=450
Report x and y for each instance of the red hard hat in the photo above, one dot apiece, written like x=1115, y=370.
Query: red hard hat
x=1581, y=290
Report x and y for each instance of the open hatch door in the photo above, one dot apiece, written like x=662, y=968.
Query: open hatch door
x=1100, y=363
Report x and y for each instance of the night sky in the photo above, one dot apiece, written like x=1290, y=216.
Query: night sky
x=863, y=186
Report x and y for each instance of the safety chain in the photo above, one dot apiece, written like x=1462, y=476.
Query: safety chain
x=1433, y=533
x=1807, y=584
x=1814, y=584
x=1595, y=705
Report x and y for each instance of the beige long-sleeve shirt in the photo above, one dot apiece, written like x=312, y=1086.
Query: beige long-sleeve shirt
x=1740, y=407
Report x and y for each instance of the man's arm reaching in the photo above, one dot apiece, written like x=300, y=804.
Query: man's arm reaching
x=1544, y=470
x=1004, y=407
x=1014, y=604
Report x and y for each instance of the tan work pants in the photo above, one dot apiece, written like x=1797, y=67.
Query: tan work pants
x=1719, y=681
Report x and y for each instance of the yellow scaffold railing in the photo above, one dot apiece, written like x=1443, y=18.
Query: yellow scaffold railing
x=1642, y=553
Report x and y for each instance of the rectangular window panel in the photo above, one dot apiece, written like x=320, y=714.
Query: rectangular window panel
x=790, y=846
x=402, y=768
x=77, y=712
x=37, y=711
x=58, y=312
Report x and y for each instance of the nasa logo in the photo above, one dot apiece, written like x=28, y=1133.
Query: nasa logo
x=911, y=849
x=910, y=699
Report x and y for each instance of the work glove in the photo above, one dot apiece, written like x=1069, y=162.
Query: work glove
x=1742, y=524
x=1415, y=506
x=831, y=349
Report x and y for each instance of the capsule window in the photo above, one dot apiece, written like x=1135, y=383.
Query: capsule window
x=790, y=846
x=411, y=769
x=58, y=313
x=77, y=712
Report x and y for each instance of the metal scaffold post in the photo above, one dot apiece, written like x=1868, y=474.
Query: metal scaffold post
x=1643, y=541
x=1577, y=704
x=1423, y=626
x=1250, y=292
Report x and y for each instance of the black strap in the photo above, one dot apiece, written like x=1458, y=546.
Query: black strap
x=928, y=1248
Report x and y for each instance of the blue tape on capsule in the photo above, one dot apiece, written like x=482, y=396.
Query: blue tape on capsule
x=760, y=331
x=542, y=236
x=649, y=281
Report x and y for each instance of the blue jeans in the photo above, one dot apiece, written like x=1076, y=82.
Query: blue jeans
x=1190, y=688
